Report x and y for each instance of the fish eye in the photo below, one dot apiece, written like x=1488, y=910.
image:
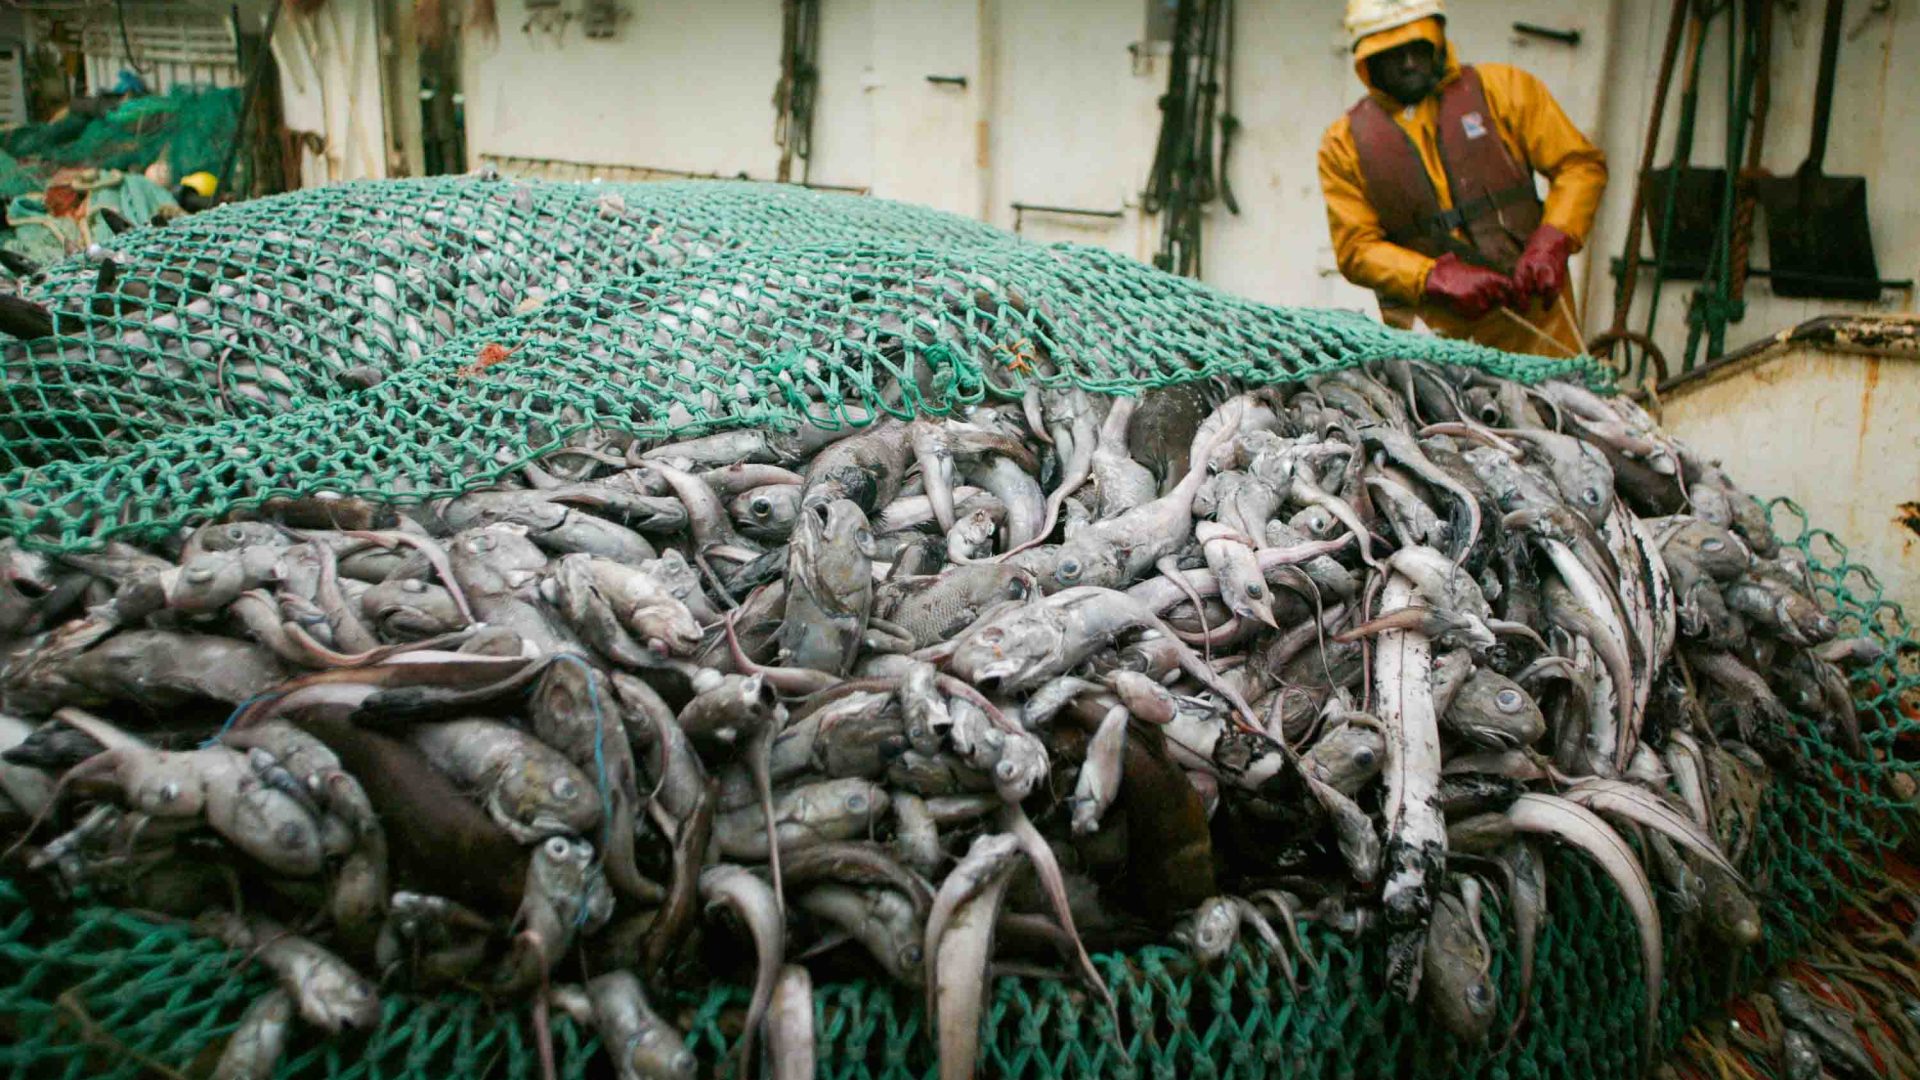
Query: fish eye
x=1017, y=590
x=1005, y=770
x=557, y=847
x=1507, y=700
x=992, y=635
x=1712, y=543
x=413, y=585
x=198, y=574
x=563, y=787
x=1254, y=590
x=1068, y=570
x=1590, y=496
x=683, y=1061
x=236, y=532
x=761, y=506
x=1363, y=756
x=1480, y=995
x=857, y=802
x=863, y=537
x=169, y=791
x=911, y=956
x=480, y=544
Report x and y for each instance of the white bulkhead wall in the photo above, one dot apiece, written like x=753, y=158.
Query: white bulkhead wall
x=1058, y=110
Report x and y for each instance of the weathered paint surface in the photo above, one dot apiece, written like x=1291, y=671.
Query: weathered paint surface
x=1834, y=432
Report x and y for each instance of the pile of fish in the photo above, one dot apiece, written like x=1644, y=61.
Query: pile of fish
x=930, y=699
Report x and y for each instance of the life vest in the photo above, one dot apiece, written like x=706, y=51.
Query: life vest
x=1495, y=207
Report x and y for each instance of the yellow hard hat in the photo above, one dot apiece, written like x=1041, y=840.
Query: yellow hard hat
x=202, y=184
x=1368, y=17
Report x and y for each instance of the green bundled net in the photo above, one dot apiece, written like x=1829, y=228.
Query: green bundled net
x=188, y=127
x=17, y=179
x=835, y=309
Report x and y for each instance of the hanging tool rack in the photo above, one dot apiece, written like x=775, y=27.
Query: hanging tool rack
x=1690, y=210
x=1701, y=219
x=1189, y=166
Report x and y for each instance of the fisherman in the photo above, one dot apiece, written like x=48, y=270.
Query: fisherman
x=1430, y=190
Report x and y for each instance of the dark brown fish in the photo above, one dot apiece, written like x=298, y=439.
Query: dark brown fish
x=442, y=842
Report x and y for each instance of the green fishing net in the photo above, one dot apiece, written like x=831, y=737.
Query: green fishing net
x=229, y=360
x=254, y=309
x=697, y=307
x=17, y=179
x=188, y=127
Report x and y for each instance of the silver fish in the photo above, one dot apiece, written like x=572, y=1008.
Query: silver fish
x=254, y=1048
x=828, y=810
x=527, y=787
x=642, y=1045
x=753, y=903
x=1458, y=987
x=328, y=993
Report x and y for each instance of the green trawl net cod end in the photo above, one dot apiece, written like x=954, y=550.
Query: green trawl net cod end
x=759, y=309
x=257, y=308
x=97, y=992
x=252, y=309
x=188, y=128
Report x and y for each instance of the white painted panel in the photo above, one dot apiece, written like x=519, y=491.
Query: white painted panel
x=842, y=112
x=1070, y=112
x=1833, y=432
x=161, y=76
x=926, y=136
x=1293, y=76
x=683, y=86
x=172, y=44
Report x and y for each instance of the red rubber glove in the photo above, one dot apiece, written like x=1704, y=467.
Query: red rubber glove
x=1471, y=291
x=1542, y=269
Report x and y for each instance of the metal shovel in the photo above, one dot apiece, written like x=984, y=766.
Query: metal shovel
x=1817, y=224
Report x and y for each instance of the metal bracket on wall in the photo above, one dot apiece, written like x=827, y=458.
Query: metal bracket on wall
x=1896, y=284
x=948, y=80
x=1565, y=37
x=1020, y=210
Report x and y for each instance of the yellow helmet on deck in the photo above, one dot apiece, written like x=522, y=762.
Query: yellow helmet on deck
x=1366, y=18
x=202, y=184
